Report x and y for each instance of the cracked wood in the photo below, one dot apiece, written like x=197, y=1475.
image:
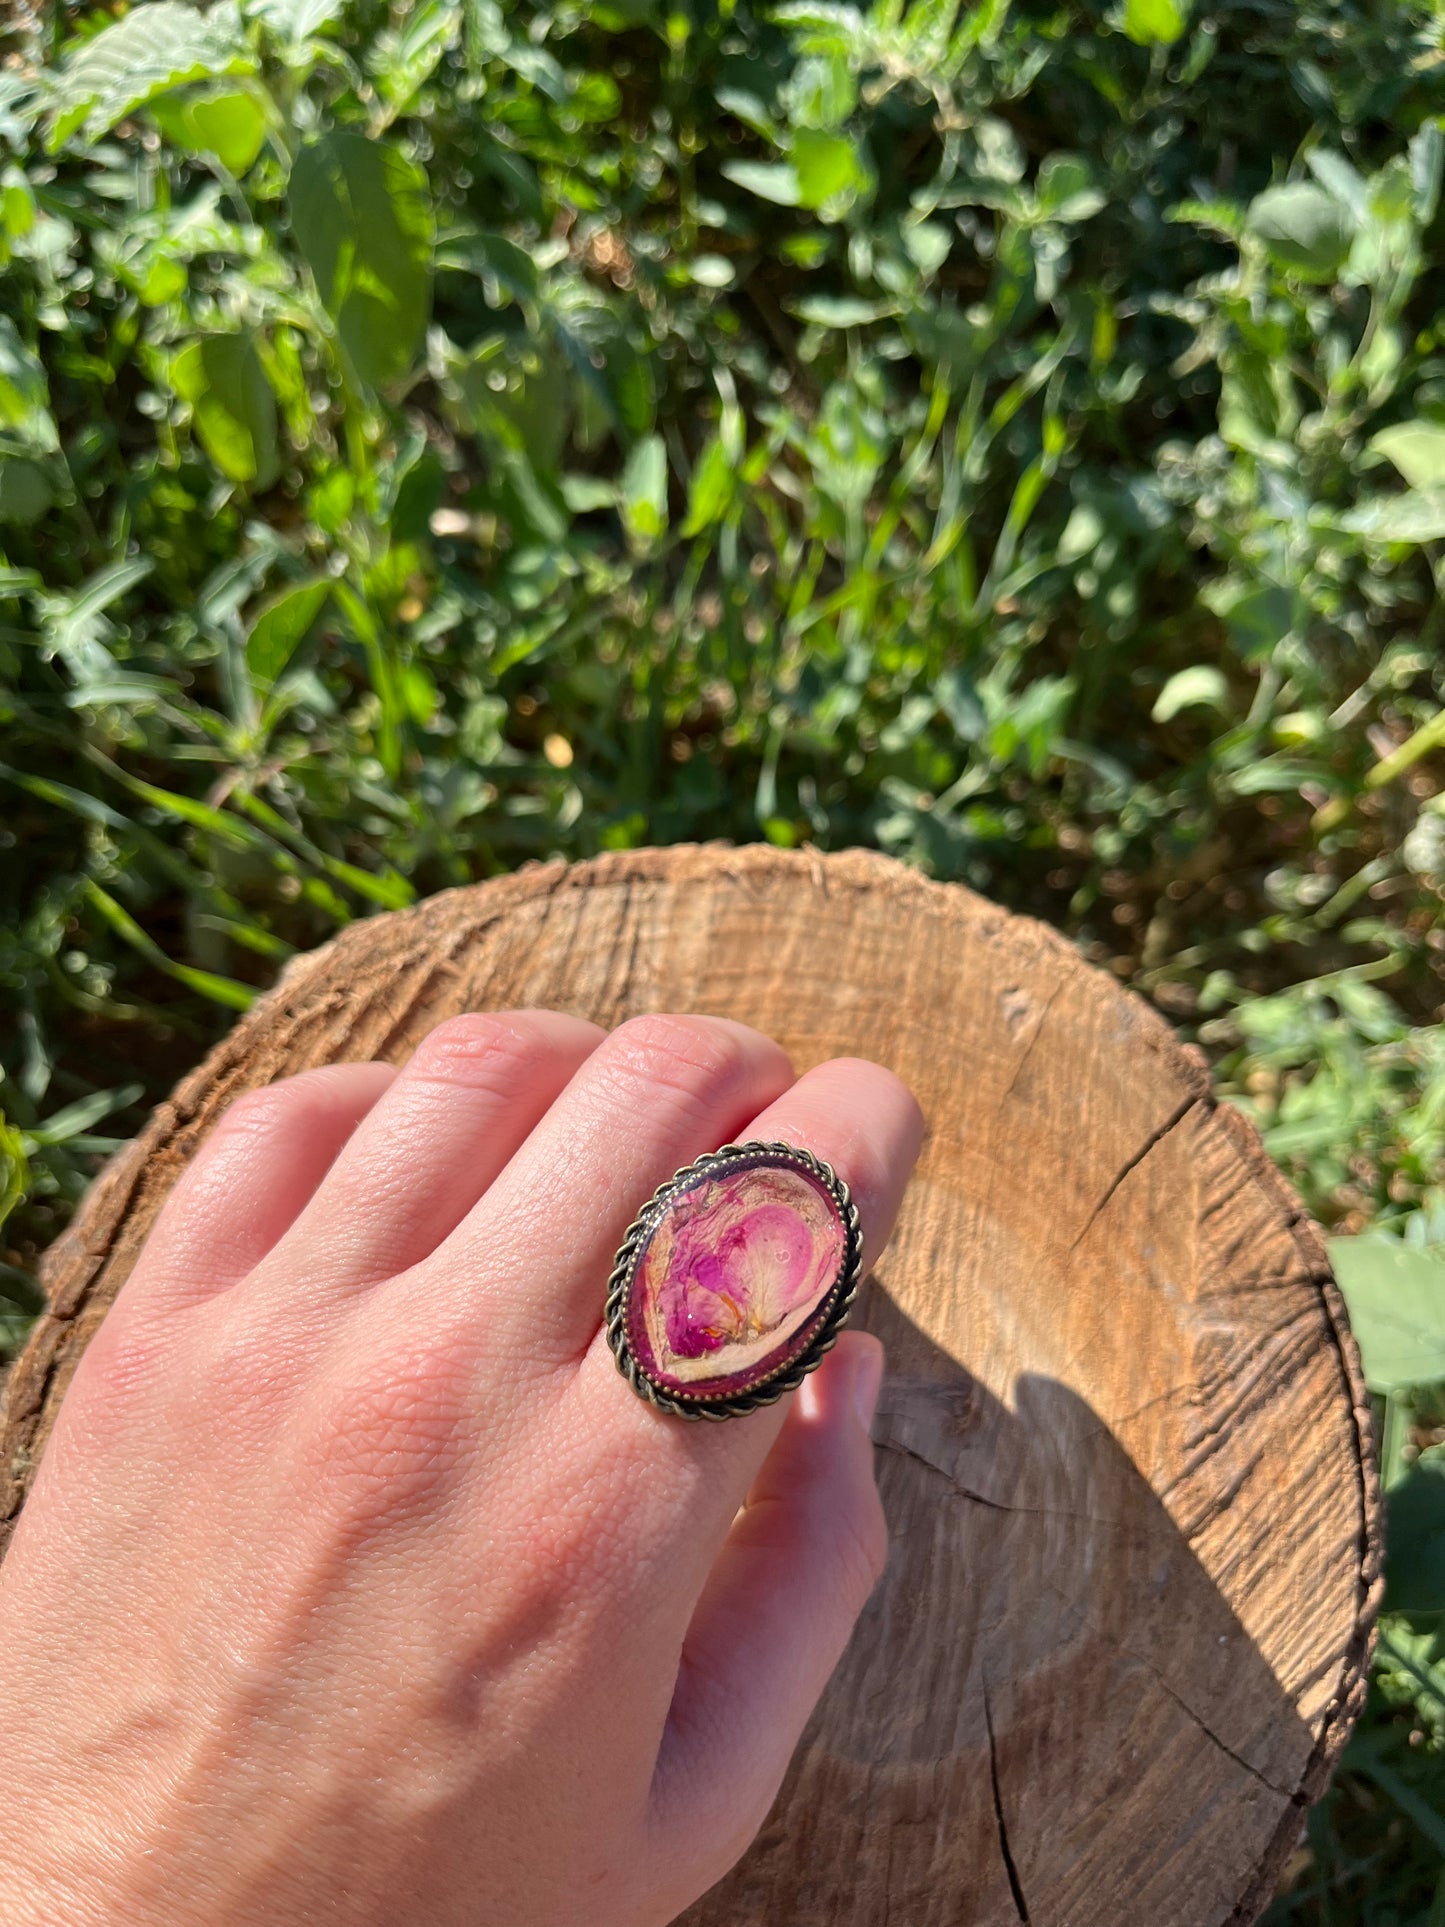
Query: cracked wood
x=1110, y=1327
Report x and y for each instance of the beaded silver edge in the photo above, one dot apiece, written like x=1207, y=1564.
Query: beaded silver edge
x=788, y=1376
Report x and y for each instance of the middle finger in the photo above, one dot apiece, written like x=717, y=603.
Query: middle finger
x=656, y=1093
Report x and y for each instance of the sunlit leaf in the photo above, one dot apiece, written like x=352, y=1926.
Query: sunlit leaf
x=362, y=216
x=1305, y=230
x=232, y=405
x=1396, y=1298
x=1155, y=22
x=1415, y=515
x=295, y=20
x=644, y=492
x=226, y=122
x=1067, y=190
x=24, y=392
x=147, y=52
x=826, y=166
x=710, y=490
x=1417, y=449
x=282, y=627
x=1201, y=686
x=770, y=180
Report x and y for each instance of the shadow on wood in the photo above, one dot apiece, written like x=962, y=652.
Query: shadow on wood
x=1124, y=1443
x=1052, y=1652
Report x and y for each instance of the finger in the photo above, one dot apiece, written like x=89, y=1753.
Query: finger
x=456, y=1113
x=776, y=1613
x=866, y=1123
x=251, y=1179
x=655, y=1094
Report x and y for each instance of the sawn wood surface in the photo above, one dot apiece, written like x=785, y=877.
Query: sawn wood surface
x=1123, y=1441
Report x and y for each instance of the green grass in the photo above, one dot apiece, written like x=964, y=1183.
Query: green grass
x=1009, y=436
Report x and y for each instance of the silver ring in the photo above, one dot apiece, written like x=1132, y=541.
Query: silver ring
x=733, y=1280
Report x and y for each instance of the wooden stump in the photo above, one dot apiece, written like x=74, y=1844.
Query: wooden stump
x=1123, y=1442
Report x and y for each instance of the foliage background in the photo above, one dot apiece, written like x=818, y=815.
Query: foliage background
x=439, y=435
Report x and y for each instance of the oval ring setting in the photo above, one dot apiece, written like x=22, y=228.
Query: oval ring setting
x=733, y=1280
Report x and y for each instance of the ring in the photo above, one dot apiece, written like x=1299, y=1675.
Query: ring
x=733, y=1280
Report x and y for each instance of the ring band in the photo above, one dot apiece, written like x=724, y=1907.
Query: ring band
x=733, y=1280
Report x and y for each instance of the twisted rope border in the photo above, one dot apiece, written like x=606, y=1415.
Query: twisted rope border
x=787, y=1377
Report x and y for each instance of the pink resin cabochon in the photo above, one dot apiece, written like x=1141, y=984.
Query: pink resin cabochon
x=732, y=1281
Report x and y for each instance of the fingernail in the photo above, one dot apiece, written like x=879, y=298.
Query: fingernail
x=867, y=1381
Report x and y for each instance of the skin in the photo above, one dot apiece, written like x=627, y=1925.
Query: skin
x=356, y=1586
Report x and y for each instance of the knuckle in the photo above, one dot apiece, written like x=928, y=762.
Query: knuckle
x=124, y=1364
x=388, y=1431
x=479, y=1048
x=687, y=1055
x=258, y=1112
x=589, y=1522
x=236, y=1375
x=577, y=1547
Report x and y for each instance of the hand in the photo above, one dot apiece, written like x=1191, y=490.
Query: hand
x=357, y=1586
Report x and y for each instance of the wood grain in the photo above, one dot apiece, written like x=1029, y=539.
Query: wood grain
x=1123, y=1442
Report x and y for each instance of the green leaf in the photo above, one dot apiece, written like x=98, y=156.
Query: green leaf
x=75, y=624
x=1067, y=190
x=295, y=20
x=25, y=491
x=928, y=245
x=403, y=59
x=710, y=492
x=1396, y=1298
x=226, y=123
x=840, y=310
x=1155, y=23
x=24, y=392
x=1417, y=449
x=1417, y=515
x=774, y=181
x=1415, y=1539
x=1339, y=179
x=147, y=53
x=1201, y=686
x=17, y=203
x=712, y=271
x=14, y=1168
x=232, y=406
x=509, y=267
x=826, y=166
x=584, y=494
x=331, y=499
x=1427, y=159
x=220, y=990
x=361, y=213
x=644, y=492
x=1000, y=154
x=1258, y=613
x=282, y=627
x=72, y=1119
x=1082, y=534
x=1305, y=230
x=164, y=280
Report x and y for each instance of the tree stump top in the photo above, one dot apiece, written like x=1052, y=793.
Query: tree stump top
x=1123, y=1442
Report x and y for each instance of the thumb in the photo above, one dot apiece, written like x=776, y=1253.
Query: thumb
x=775, y=1615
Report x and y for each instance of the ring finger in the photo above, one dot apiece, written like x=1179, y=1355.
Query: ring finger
x=864, y=1122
